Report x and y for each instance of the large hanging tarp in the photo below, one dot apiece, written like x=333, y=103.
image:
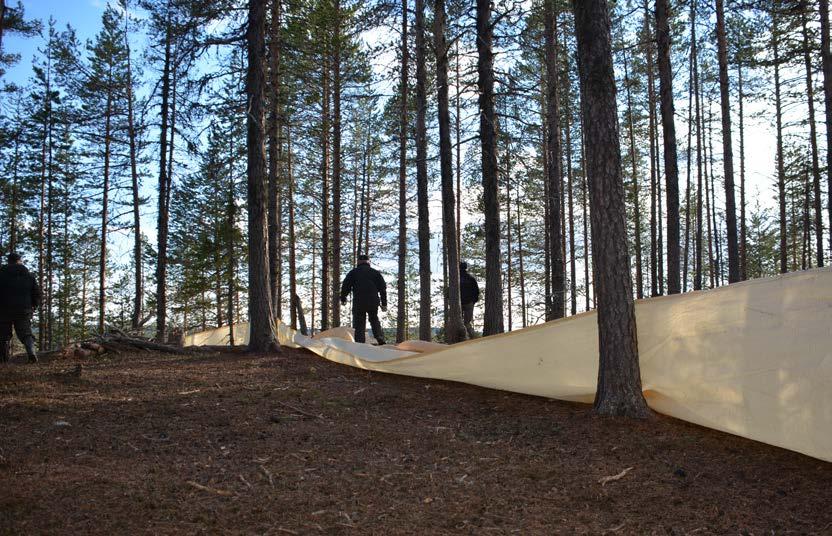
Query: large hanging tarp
x=753, y=359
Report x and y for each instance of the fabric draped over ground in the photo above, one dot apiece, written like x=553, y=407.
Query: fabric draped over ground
x=752, y=359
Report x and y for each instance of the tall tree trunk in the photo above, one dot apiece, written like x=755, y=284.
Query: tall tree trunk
x=585, y=216
x=670, y=157
x=554, y=171
x=826, y=54
x=619, y=377
x=688, y=181
x=325, y=220
x=493, y=322
x=454, y=327
x=138, y=298
x=336, y=168
x=743, y=228
x=697, y=280
x=293, y=277
x=813, y=141
x=727, y=146
x=274, y=152
x=781, y=170
x=458, y=124
x=232, y=222
x=162, y=213
x=547, y=232
x=105, y=215
x=261, y=319
x=573, y=284
x=422, y=176
x=523, y=311
x=654, y=148
x=708, y=157
x=45, y=160
x=401, y=281
x=635, y=191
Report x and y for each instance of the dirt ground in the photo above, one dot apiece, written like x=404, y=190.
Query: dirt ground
x=237, y=444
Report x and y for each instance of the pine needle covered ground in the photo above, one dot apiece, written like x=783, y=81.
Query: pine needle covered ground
x=228, y=443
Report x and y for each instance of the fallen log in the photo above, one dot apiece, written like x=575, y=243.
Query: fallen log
x=146, y=345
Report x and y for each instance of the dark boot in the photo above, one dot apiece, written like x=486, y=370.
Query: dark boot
x=5, y=351
x=29, y=343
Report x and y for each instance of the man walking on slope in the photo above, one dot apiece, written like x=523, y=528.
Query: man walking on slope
x=19, y=297
x=366, y=285
x=469, y=292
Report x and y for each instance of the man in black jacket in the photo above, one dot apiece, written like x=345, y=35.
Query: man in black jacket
x=469, y=293
x=367, y=286
x=19, y=297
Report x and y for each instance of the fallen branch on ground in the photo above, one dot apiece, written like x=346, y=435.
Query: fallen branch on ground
x=613, y=478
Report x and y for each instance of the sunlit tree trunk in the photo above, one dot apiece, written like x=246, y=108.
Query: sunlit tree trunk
x=619, y=378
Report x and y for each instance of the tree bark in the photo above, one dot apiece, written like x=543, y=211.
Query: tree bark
x=727, y=147
x=493, y=322
x=743, y=228
x=401, y=281
x=670, y=157
x=105, y=216
x=619, y=379
x=781, y=170
x=293, y=289
x=554, y=171
x=697, y=278
x=813, y=141
x=138, y=298
x=635, y=191
x=336, y=168
x=454, y=327
x=261, y=319
x=325, y=219
x=274, y=151
x=422, y=176
x=826, y=55
x=162, y=213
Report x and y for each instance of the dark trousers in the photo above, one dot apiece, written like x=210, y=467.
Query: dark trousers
x=468, y=318
x=359, y=323
x=22, y=327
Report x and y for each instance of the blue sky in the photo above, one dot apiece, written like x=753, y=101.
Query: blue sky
x=83, y=15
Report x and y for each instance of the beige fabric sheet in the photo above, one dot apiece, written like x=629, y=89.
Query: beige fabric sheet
x=753, y=359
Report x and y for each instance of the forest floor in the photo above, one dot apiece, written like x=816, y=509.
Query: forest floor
x=293, y=444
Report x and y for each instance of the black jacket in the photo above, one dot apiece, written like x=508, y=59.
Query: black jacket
x=366, y=285
x=19, y=291
x=469, y=291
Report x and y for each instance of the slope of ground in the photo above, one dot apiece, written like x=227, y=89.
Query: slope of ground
x=227, y=443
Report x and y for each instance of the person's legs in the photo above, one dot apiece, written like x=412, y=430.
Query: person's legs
x=359, y=324
x=5, y=339
x=468, y=318
x=23, y=329
x=378, y=333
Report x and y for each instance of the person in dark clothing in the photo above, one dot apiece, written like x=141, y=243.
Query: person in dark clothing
x=368, y=292
x=469, y=293
x=19, y=297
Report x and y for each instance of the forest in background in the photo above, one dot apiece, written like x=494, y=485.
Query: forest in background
x=135, y=143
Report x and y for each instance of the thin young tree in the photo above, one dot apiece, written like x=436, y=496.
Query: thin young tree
x=727, y=146
x=401, y=280
x=261, y=319
x=422, y=176
x=619, y=378
x=813, y=139
x=336, y=165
